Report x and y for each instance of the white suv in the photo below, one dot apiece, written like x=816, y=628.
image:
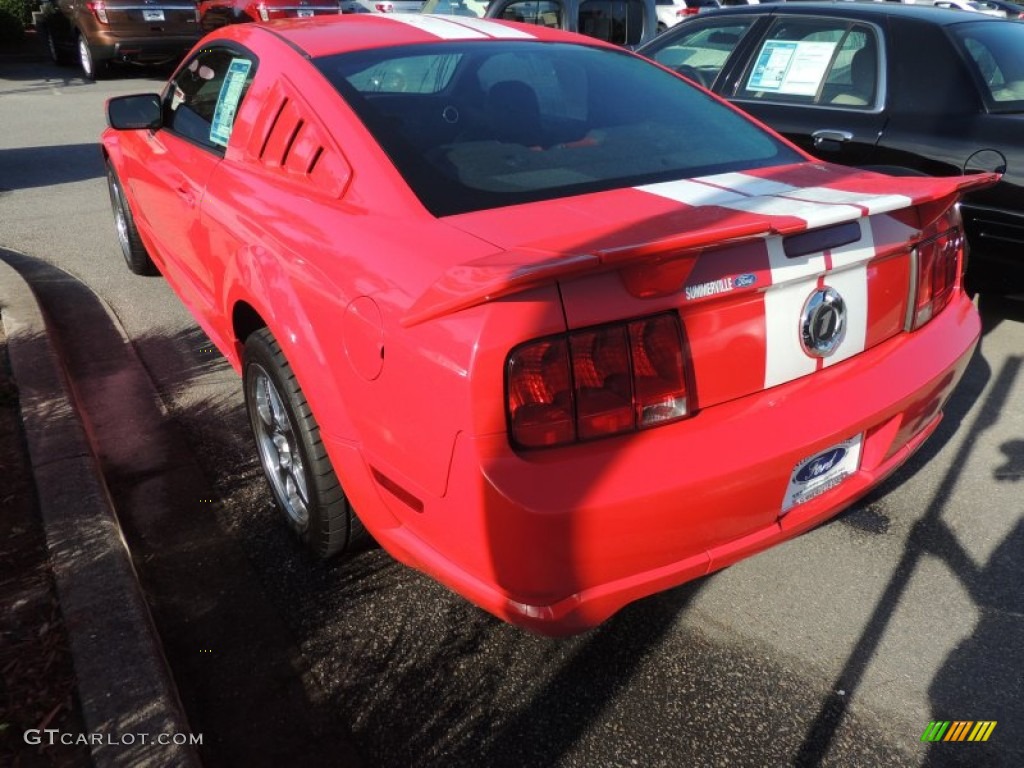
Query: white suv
x=671, y=12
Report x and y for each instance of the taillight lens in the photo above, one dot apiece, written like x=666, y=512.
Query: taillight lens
x=384, y=7
x=596, y=382
x=99, y=10
x=682, y=12
x=940, y=259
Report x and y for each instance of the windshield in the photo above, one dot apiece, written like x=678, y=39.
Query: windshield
x=996, y=52
x=482, y=124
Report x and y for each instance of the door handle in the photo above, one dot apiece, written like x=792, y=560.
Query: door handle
x=824, y=138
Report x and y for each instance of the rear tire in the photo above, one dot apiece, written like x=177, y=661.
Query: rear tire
x=135, y=254
x=292, y=454
x=92, y=68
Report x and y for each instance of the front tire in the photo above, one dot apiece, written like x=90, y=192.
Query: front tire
x=292, y=454
x=135, y=254
x=58, y=53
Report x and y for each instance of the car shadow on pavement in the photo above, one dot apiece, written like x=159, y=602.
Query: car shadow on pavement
x=981, y=679
x=237, y=669
x=25, y=168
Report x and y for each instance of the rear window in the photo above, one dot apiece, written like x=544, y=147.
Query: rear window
x=477, y=125
x=995, y=51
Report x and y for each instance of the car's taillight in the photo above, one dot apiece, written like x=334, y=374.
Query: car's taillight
x=384, y=7
x=596, y=382
x=263, y=11
x=940, y=262
x=682, y=12
x=99, y=10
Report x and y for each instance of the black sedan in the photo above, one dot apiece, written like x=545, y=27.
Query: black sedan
x=901, y=88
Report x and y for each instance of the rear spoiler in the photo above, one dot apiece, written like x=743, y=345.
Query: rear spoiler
x=508, y=272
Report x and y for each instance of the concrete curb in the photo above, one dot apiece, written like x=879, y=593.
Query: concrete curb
x=128, y=697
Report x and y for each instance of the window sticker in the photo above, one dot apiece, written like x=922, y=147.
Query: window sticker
x=227, y=102
x=791, y=67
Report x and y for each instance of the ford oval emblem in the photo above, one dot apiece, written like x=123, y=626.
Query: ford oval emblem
x=743, y=281
x=823, y=322
x=820, y=464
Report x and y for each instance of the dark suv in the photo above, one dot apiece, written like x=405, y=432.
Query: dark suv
x=104, y=31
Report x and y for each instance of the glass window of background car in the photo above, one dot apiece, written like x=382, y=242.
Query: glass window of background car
x=996, y=52
x=703, y=48
x=201, y=101
x=815, y=61
x=542, y=12
x=615, y=21
x=526, y=120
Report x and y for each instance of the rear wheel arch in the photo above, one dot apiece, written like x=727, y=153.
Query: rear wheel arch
x=245, y=321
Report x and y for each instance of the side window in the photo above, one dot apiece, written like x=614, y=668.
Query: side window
x=820, y=61
x=201, y=101
x=996, y=59
x=545, y=13
x=701, y=51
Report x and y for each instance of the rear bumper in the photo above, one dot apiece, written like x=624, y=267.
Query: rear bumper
x=557, y=541
x=143, y=49
x=996, y=237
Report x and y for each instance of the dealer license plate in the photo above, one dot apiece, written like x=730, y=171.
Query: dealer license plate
x=822, y=472
x=152, y=15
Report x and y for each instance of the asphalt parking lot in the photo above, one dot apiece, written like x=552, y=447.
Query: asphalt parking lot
x=837, y=648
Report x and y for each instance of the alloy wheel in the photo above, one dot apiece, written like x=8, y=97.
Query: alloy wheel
x=278, y=445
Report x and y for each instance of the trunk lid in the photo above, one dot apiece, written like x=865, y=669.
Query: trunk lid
x=763, y=268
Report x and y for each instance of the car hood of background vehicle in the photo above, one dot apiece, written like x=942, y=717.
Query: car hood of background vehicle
x=556, y=239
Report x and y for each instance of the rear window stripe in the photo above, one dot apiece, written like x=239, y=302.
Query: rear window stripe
x=491, y=29
x=436, y=26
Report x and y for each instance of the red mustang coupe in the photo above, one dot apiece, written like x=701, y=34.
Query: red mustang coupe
x=490, y=300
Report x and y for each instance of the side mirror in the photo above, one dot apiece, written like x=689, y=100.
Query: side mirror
x=133, y=113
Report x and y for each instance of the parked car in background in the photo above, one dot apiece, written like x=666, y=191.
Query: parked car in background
x=97, y=33
x=671, y=12
x=214, y=14
x=978, y=6
x=470, y=8
x=628, y=23
x=1012, y=10
x=901, y=88
x=559, y=328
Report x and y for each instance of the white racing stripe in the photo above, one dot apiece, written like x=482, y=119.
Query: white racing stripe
x=436, y=26
x=873, y=203
x=852, y=285
x=491, y=28
x=692, y=192
x=785, y=358
x=794, y=280
x=753, y=195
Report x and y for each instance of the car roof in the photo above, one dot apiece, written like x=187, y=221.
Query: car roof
x=327, y=35
x=855, y=10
